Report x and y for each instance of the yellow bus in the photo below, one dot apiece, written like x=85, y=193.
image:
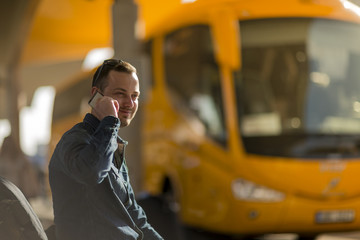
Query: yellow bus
x=251, y=122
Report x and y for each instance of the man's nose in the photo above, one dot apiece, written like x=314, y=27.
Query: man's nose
x=129, y=102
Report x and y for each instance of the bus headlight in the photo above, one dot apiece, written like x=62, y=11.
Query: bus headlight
x=249, y=191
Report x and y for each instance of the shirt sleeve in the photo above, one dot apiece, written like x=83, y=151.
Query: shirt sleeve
x=138, y=215
x=87, y=157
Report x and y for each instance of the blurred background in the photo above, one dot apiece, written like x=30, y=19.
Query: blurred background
x=249, y=116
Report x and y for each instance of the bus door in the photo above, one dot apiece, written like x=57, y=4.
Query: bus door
x=193, y=82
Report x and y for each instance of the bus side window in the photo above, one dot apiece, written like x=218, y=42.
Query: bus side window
x=193, y=77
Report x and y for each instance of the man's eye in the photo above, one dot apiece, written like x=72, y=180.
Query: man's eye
x=120, y=94
x=135, y=97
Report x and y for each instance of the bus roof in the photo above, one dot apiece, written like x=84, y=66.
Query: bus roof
x=158, y=16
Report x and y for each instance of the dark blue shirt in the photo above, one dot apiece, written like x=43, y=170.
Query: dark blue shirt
x=92, y=195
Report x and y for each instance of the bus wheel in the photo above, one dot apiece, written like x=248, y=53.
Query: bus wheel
x=170, y=202
x=170, y=207
x=307, y=237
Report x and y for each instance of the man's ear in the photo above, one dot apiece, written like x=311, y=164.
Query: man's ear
x=93, y=90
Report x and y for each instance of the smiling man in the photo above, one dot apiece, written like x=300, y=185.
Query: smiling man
x=92, y=195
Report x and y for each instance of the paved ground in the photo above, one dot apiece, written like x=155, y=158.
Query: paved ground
x=170, y=229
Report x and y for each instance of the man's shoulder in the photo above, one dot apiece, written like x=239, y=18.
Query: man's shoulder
x=74, y=135
x=80, y=129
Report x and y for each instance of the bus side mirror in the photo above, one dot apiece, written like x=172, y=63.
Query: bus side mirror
x=226, y=34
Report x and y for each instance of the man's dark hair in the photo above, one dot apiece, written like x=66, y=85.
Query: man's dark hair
x=99, y=78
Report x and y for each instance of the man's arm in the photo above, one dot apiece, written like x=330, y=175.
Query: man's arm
x=87, y=157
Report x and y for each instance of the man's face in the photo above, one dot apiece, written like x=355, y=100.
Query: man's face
x=124, y=87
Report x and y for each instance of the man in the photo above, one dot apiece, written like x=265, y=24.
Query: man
x=92, y=196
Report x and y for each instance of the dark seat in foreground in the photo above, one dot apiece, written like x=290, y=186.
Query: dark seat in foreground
x=17, y=218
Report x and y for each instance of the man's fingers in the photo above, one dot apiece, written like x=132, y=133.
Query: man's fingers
x=107, y=106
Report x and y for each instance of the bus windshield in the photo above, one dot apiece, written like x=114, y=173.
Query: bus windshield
x=298, y=92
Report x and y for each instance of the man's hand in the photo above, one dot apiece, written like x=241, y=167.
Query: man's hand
x=106, y=106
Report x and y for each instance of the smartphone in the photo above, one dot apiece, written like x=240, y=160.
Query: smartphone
x=95, y=98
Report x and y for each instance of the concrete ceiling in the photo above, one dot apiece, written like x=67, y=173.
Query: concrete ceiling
x=15, y=22
x=45, y=41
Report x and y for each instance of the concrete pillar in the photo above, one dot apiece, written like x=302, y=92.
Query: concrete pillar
x=127, y=47
x=17, y=16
